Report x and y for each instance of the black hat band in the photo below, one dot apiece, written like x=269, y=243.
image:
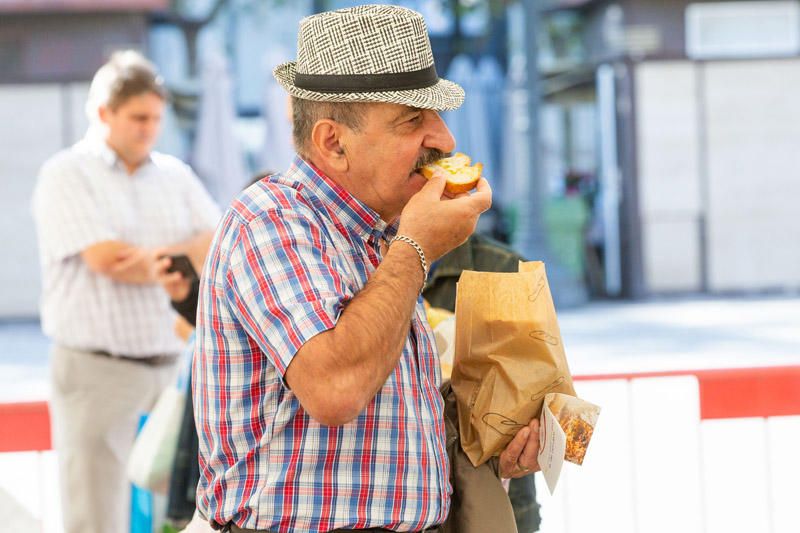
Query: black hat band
x=367, y=83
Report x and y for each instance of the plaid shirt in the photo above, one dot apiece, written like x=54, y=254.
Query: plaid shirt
x=290, y=253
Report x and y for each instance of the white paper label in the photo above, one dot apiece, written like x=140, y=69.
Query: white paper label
x=552, y=445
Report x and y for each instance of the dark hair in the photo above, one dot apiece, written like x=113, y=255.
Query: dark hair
x=306, y=113
x=131, y=75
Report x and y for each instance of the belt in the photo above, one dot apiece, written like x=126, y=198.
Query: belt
x=149, y=360
x=434, y=529
x=233, y=528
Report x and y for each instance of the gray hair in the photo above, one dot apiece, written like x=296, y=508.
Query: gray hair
x=306, y=113
x=126, y=74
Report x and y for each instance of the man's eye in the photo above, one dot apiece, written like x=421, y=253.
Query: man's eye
x=415, y=119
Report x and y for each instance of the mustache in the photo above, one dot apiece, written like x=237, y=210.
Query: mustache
x=430, y=155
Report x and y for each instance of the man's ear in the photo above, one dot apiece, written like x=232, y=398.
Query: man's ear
x=326, y=137
x=103, y=112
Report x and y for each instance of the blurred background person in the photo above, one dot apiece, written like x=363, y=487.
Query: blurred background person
x=101, y=208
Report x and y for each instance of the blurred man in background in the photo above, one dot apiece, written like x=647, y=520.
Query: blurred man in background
x=104, y=209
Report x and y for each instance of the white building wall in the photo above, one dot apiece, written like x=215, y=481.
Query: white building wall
x=670, y=200
x=753, y=156
x=719, y=142
x=38, y=120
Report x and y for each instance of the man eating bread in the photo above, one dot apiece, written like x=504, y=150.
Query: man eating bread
x=316, y=375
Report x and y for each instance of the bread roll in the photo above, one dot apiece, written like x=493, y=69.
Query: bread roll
x=461, y=175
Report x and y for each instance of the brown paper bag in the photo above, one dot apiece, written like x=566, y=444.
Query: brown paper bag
x=508, y=356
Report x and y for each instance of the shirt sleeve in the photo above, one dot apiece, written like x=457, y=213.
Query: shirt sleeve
x=284, y=284
x=67, y=214
x=204, y=210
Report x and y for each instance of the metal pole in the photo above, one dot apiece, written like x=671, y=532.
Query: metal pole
x=609, y=176
x=568, y=290
x=318, y=6
x=532, y=235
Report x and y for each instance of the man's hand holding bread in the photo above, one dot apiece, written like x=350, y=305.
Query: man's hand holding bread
x=440, y=220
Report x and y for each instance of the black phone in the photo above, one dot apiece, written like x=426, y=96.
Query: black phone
x=182, y=264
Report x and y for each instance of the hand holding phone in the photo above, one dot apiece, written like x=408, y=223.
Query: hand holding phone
x=182, y=264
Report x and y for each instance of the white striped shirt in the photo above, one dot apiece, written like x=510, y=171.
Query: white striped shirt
x=84, y=196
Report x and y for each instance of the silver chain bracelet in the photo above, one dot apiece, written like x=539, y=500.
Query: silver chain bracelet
x=418, y=248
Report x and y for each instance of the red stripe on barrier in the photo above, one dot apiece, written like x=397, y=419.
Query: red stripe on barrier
x=24, y=427
x=758, y=392
x=735, y=392
x=727, y=393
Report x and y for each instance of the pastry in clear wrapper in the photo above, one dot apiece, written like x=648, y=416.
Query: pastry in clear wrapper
x=578, y=432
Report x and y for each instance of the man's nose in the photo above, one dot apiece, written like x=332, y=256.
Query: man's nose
x=152, y=127
x=438, y=135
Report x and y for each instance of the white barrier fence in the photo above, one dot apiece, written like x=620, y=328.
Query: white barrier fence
x=714, y=451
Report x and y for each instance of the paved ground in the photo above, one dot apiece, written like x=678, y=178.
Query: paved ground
x=682, y=334
x=674, y=334
x=23, y=361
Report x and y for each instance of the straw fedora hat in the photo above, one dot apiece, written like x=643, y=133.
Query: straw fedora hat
x=372, y=53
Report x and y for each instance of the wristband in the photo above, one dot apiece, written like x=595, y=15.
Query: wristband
x=423, y=262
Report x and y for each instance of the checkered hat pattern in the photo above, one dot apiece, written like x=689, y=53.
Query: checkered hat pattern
x=372, y=53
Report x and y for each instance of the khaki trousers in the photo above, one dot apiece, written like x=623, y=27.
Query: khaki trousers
x=95, y=406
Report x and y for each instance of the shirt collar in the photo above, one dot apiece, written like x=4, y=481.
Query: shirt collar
x=354, y=214
x=100, y=148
